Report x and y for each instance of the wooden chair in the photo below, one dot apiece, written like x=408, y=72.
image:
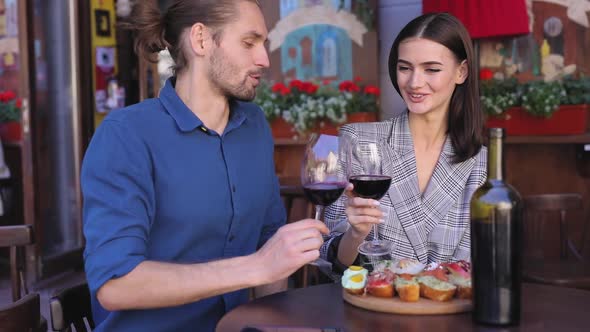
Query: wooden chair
x=71, y=307
x=15, y=237
x=570, y=269
x=23, y=315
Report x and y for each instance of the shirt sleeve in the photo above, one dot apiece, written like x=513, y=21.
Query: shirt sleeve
x=119, y=203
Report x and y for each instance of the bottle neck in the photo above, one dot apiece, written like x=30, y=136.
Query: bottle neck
x=495, y=169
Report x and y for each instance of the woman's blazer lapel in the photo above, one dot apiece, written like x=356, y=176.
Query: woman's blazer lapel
x=400, y=163
x=419, y=214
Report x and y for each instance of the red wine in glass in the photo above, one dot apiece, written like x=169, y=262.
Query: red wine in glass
x=324, y=193
x=322, y=176
x=371, y=186
x=365, y=170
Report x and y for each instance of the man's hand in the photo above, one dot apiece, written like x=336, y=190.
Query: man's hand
x=158, y=284
x=292, y=246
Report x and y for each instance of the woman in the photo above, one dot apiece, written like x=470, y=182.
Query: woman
x=437, y=159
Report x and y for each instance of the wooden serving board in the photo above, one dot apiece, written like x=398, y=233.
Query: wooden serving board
x=396, y=306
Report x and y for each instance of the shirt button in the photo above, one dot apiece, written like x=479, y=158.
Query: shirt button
x=231, y=238
x=233, y=188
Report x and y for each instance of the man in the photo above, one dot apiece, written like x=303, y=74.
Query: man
x=182, y=212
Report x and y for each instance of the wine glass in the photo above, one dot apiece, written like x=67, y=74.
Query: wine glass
x=322, y=175
x=365, y=168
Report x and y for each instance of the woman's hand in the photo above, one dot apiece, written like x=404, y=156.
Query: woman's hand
x=362, y=213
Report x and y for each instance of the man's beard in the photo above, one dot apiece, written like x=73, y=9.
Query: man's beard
x=219, y=73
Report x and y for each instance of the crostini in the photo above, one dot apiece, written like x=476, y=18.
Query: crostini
x=435, y=285
x=459, y=274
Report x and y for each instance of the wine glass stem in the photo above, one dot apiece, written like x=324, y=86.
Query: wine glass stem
x=375, y=233
x=318, y=212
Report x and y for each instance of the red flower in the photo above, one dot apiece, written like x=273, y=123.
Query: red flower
x=304, y=87
x=344, y=85
x=9, y=95
x=19, y=103
x=278, y=87
x=348, y=86
x=326, y=82
x=309, y=88
x=295, y=84
x=285, y=91
x=357, y=79
x=6, y=96
x=372, y=90
x=486, y=74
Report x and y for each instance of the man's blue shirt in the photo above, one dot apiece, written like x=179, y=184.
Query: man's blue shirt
x=158, y=185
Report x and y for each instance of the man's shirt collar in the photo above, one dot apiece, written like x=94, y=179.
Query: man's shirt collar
x=188, y=121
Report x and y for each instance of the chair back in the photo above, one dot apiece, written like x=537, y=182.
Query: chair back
x=71, y=307
x=296, y=204
x=23, y=315
x=541, y=209
x=15, y=238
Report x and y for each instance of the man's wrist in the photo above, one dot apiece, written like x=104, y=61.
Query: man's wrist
x=256, y=270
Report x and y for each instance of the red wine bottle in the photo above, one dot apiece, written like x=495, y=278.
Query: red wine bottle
x=496, y=223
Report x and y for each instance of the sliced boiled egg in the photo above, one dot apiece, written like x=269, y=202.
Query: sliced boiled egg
x=354, y=278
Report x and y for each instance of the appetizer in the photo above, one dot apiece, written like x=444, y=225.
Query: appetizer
x=407, y=266
x=407, y=287
x=459, y=274
x=435, y=285
x=380, y=284
x=354, y=280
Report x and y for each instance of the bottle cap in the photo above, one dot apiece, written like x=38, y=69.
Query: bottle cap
x=496, y=132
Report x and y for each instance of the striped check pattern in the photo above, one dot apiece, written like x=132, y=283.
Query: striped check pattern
x=433, y=226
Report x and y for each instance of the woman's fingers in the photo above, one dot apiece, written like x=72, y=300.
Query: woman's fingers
x=348, y=191
x=364, y=210
x=372, y=212
x=363, y=202
x=365, y=220
x=362, y=213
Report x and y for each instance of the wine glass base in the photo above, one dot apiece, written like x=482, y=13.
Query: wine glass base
x=375, y=248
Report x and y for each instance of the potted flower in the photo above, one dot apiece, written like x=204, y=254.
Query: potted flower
x=291, y=109
x=316, y=108
x=542, y=112
x=363, y=101
x=542, y=99
x=536, y=107
x=498, y=95
x=577, y=97
x=274, y=101
x=10, y=116
x=576, y=102
x=299, y=107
